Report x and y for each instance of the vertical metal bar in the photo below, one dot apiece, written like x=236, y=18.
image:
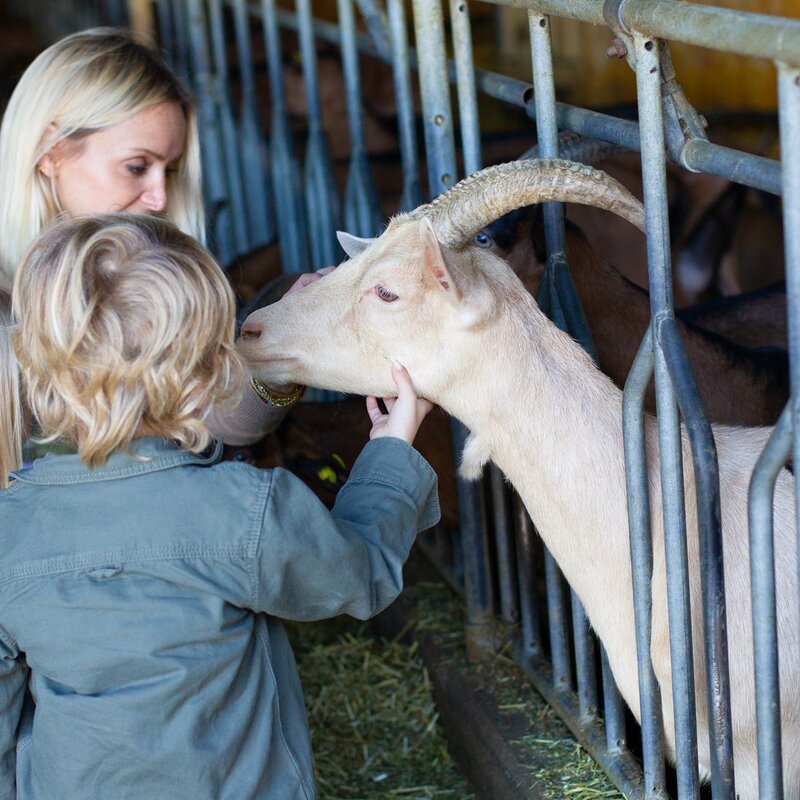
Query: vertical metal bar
x=789, y=122
x=441, y=160
x=765, y=623
x=557, y=624
x=633, y=427
x=648, y=83
x=220, y=89
x=546, y=128
x=465, y=80
x=287, y=186
x=585, y=653
x=504, y=545
x=529, y=597
x=712, y=578
x=181, y=51
x=165, y=32
x=220, y=227
x=322, y=203
x=438, y=118
x=614, y=708
x=362, y=211
x=252, y=148
x=404, y=97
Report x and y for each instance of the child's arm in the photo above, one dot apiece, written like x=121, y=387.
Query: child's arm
x=13, y=678
x=313, y=563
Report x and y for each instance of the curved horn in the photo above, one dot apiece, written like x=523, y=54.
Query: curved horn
x=576, y=147
x=459, y=213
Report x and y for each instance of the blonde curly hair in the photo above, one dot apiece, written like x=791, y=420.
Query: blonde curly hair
x=125, y=327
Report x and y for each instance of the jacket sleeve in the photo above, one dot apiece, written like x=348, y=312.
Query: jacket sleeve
x=245, y=418
x=313, y=563
x=13, y=680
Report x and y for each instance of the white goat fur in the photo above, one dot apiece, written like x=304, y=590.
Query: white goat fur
x=475, y=342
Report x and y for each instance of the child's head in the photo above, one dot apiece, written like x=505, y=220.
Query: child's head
x=125, y=327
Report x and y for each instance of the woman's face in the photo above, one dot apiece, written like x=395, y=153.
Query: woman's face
x=124, y=167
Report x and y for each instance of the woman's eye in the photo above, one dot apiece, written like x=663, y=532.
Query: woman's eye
x=483, y=240
x=136, y=169
x=385, y=294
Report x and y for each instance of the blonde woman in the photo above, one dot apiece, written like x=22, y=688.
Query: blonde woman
x=141, y=581
x=99, y=123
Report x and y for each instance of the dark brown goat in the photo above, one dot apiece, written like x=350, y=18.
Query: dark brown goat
x=739, y=386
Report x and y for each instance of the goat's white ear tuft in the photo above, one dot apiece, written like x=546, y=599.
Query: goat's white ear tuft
x=475, y=456
x=353, y=245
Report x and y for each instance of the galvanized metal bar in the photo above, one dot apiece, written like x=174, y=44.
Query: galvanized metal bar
x=442, y=170
x=557, y=624
x=765, y=623
x=166, y=33
x=526, y=541
x=362, y=211
x=746, y=168
x=285, y=172
x=404, y=97
x=220, y=89
x=252, y=146
x=504, y=545
x=638, y=499
x=544, y=99
x=182, y=56
x=727, y=30
x=585, y=654
x=465, y=81
x=789, y=124
x=712, y=577
x=440, y=147
x=375, y=19
x=322, y=204
x=613, y=708
x=648, y=82
x=623, y=768
x=220, y=227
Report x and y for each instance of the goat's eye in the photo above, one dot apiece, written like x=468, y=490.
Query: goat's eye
x=385, y=294
x=483, y=239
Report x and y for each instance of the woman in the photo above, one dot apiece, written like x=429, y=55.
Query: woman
x=99, y=123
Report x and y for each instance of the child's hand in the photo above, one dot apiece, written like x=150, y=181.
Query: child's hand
x=406, y=411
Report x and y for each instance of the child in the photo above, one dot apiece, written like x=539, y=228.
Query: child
x=141, y=579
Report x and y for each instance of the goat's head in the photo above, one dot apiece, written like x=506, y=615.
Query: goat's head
x=419, y=292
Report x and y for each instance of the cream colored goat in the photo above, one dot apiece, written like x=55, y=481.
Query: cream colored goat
x=475, y=342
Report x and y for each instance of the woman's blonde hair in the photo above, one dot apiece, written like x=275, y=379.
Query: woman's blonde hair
x=84, y=82
x=11, y=422
x=125, y=327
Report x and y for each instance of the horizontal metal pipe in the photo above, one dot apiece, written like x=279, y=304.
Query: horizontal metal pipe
x=727, y=30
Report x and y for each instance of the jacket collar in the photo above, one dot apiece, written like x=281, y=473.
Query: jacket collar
x=149, y=454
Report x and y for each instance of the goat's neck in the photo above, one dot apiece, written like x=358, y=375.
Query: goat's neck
x=552, y=423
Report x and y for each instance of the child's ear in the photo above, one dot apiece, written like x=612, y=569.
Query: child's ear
x=451, y=271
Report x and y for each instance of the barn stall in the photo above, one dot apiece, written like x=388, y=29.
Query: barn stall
x=327, y=115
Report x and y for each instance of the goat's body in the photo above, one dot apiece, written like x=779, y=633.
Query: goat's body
x=566, y=461
x=476, y=344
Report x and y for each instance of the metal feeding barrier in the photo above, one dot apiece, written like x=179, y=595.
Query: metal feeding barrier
x=259, y=191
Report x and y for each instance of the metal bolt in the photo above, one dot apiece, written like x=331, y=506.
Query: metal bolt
x=617, y=49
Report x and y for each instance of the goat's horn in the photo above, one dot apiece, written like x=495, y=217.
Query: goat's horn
x=473, y=203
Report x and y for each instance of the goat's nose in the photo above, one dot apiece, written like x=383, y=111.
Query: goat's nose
x=250, y=330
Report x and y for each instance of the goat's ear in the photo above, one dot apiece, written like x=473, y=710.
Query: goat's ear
x=462, y=285
x=353, y=245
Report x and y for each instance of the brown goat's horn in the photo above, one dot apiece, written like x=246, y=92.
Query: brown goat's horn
x=473, y=203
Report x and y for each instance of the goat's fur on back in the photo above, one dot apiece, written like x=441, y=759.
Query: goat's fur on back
x=475, y=342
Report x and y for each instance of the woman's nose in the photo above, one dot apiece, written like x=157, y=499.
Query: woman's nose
x=155, y=196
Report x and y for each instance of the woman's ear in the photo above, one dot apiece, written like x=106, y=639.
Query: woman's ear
x=48, y=163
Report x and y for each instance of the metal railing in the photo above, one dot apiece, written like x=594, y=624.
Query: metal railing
x=498, y=551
